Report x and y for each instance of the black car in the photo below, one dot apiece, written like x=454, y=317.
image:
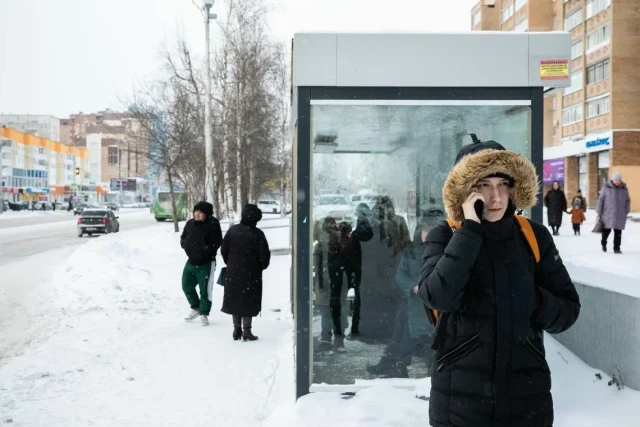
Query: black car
x=98, y=221
x=112, y=206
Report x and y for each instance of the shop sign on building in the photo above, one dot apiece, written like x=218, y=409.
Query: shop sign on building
x=553, y=170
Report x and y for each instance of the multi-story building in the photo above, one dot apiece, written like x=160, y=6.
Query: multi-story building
x=35, y=168
x=42, y=126
x=591, y=129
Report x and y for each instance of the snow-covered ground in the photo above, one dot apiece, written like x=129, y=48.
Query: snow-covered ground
x=114, y=350
x=588, y=265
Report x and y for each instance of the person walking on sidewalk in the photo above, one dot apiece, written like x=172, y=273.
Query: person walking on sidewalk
x=556, y=204
x=613, y=207
x=494, y=293
x=245, y=251
x=577, y=216
x=200, y=240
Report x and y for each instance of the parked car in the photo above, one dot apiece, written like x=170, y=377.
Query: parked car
x=98, y=221
x=334, y=205
x=38, y=206
x=5, y=205
x=269, y=206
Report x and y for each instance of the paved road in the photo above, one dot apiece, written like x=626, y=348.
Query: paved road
x=20, y=219
x=30, y=236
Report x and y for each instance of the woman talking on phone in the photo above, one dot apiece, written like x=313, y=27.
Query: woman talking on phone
x=493, y=291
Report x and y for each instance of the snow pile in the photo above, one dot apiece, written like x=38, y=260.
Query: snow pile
x=580, y=399
x=588, y=265
x=118, y=352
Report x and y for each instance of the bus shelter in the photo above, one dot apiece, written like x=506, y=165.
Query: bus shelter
x=377, y=122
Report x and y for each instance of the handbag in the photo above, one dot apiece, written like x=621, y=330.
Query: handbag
x=598, y=227
x=223, y=272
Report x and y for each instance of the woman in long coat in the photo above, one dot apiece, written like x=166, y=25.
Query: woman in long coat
x=245, y=251
x=556, y=204
x=613, y=207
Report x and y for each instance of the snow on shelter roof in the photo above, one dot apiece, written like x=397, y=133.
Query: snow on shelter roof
x=454, y=59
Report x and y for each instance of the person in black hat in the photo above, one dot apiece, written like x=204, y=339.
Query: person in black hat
x=493, y=295
x=200, y=240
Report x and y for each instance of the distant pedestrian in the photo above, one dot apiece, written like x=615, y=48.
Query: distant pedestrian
x=53, y=205
x=556, y=204
x=613, y=207
x=44, y=206
x=246, y=253
x=580, y=198
x=200, y=240
x=577, y=217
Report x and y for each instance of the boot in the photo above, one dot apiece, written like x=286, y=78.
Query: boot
x=617, y=251
x=237, y=328
x=324, y=346
x=604, y=247
x=338, y=343
x=382, y=367
x=355, y=329
x=399, y=370
x=246, y=330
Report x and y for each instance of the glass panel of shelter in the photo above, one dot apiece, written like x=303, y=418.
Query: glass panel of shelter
x=367, y=250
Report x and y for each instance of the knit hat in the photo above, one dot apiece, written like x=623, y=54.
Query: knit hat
x=617, y=176
x=204, y=207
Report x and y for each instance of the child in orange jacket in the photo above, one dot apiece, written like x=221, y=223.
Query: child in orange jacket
x=577, y=217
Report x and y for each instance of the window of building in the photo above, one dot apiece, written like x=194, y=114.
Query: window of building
x=573, y=20
x=555, y=129
x=600, y=36
x=41, y=150
x=555, y=103
x=113, y=155
x=507, y=13
x=576, y=49
x=596, y=6
x=582, y=173
x=520, y=3
x=597, y=72
x=522, y=26
x=554, y=24
x=475, y=19
x=576, y=83
x=597, y=106
x=572, y=114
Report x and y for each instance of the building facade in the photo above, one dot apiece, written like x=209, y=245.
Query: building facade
x=35, y=169
x=591, y=129
x=38, y=125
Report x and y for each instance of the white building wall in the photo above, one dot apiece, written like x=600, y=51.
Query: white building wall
x=94, y=146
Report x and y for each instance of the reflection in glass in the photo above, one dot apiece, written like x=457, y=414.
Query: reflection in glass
x=378, y=172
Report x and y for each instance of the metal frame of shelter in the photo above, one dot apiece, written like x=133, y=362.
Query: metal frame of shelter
x=348, y=67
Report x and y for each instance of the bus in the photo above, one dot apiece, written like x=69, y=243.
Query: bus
x=162, y=206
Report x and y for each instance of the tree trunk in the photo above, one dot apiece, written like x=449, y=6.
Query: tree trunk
x=176, y=227
x=239, y=165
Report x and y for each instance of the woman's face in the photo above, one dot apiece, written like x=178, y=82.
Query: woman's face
x=556, y=185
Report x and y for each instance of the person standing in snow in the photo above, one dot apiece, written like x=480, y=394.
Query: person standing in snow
x=493, y=299
x=246, y=253
x=200, y=240
x=577, y=217
x=614, y=204
x=556, y=204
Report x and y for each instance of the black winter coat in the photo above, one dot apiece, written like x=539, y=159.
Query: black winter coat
x=351, y=249
x=495, y=303
x=245, y=251
x=201, y=240
x=556, y=204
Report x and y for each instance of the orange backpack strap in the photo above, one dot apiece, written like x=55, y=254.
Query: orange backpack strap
x=527, y=230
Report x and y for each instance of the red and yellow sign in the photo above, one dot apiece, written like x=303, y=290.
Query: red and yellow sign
x=557, y=69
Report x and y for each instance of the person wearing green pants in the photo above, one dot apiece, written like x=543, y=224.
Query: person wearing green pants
x=200, y=240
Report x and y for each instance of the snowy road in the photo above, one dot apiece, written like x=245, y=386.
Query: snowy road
x=24, y=236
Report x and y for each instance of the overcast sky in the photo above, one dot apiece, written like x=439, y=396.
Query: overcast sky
x=64, y=56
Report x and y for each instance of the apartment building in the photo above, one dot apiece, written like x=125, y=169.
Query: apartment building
x=35, y=168
x=592, y=129
x=38, y=125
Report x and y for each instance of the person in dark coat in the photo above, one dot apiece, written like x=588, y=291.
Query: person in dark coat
x=494, y=301
x=614, y=204
x=246, y=253
x=200, y=239
x=411, y=324
x=351, y=258
x=556, y=204
x=580, y=198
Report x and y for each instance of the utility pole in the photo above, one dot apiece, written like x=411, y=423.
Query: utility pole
x=209, y=171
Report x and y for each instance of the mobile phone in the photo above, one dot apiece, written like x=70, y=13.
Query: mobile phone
x=479, y=207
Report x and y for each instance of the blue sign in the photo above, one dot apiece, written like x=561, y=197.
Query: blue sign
x=597, y=142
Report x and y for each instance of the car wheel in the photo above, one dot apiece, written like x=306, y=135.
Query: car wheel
x=160, y=219
x=89, y=234
x=107, y=230
x=80, y=233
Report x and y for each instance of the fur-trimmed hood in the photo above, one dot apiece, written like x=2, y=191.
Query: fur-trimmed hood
x=473, y=167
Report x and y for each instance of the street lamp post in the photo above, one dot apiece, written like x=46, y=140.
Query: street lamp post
x=209, y=171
